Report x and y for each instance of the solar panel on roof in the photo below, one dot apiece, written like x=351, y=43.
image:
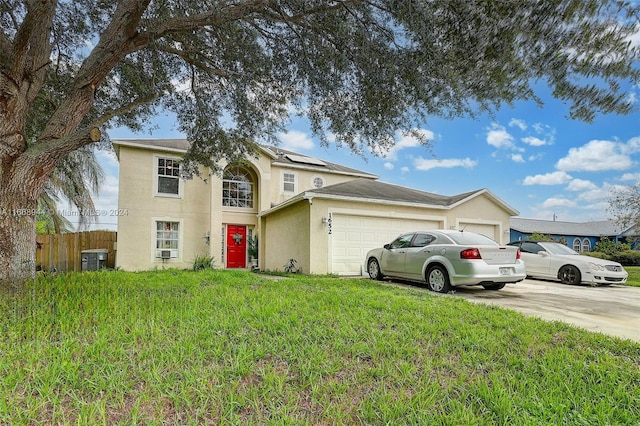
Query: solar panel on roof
x=305, y=160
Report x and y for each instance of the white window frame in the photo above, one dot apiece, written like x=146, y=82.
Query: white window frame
x=285, y=183
x=586, y=245
x=156, y=176
x=313, y=182
x=176, y=253
x=577, y=245
x=250, y=182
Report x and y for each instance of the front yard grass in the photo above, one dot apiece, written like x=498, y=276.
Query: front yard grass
x=232, y=347
x=634, y=275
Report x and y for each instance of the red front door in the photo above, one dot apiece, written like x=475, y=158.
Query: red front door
x=236, y=246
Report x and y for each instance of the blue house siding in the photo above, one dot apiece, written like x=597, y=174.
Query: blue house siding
x=568, y=240
x=578, y=236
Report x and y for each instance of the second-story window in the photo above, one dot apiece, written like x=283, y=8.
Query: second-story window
x=288, y=182
x=168, y=176
x=237, y=188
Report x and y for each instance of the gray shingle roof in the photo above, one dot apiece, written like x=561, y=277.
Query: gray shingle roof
x=603, y=227
x=375, y=190
x=176, y=145
x=283, y=158
x=278, y=155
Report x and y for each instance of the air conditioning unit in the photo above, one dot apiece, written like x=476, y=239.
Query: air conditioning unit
x=165, y=254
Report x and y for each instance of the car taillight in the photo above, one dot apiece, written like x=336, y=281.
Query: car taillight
x=472, y=253
x=518, y=254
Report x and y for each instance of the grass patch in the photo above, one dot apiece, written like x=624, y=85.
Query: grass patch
x=233, y=347
x=634, y=275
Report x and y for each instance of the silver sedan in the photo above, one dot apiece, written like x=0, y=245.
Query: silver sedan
x=445, y=259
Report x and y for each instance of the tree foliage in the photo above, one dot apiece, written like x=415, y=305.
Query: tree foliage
x=606, y=246
x=233, y=70
x=624, y=207
x=538, y=236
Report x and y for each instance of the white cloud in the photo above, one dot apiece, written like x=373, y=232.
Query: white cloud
x=558, y=202
x=555, y=178
x=404, y=170
x=428, y=164
x=596, y=155
x=295, y=140
x=581, y=185
x=539, y=127
x=517, y=158
x=518, y=123
x=630, y=177
x=498, y=137
x=403, y=141
x=632, y=146
x=388, y=166
x=533, y=141
x=599, y=194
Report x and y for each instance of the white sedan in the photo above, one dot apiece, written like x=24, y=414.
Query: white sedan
x=558, y=262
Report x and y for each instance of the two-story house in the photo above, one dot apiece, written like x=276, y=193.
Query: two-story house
x=324, y=215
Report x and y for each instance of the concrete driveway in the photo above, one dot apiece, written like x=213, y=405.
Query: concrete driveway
x=613, y=310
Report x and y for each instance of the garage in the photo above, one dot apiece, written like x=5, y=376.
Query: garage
x=352, y=236
x=329, y=230
x=490, y=230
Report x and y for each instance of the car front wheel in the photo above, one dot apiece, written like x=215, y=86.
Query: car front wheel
x=373, y=267
x=569, y=274
x=438, y=279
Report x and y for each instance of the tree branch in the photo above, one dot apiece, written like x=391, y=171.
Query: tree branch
x=192, y=61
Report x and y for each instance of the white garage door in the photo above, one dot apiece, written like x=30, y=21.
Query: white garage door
x=353, y=236
x=491, y=231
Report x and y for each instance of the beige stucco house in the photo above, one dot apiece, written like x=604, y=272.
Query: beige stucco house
x=324, y=215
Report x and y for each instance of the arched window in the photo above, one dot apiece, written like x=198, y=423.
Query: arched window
x=586, y=245
x=577, y=245
x=237, y=187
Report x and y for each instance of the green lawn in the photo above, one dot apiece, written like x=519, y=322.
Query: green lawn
x=634, y=275
x=228, y=347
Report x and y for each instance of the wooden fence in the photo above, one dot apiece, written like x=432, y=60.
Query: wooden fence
x=63, y=251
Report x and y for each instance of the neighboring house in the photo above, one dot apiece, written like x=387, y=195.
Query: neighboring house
x=324, y=215
x=582, y=237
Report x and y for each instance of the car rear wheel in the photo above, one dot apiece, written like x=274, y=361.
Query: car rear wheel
x=438, y=279
x=373, y=267
x=569, y=274
x=494, y=286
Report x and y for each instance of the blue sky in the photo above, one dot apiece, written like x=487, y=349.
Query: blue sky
x=537, y=160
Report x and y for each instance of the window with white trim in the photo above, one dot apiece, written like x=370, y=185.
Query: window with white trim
x=576, y=244
x=317, y=182
x=586, y=245
x=288, y=182
x=167, y=239
x=237, y=188
x=168, y=176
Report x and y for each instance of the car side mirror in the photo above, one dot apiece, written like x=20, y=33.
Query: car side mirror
x=387, y=246
x=543, y=253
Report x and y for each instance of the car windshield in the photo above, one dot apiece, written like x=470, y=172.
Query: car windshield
x=469, y=238
x=557, y=248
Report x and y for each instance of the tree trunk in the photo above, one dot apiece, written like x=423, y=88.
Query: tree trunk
x=17, y=240
x=18, y=204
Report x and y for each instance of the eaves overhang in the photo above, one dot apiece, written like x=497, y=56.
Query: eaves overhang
x=310, y=196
